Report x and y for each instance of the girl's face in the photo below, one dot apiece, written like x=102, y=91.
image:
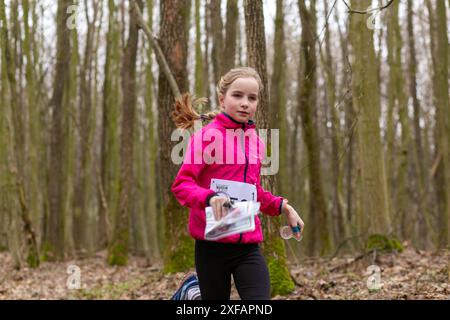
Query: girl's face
x=241, y=99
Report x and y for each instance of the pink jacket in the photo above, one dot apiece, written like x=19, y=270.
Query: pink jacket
x=192, y=184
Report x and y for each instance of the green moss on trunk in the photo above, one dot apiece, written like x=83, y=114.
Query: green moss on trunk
x=181, y=255
x=118, y=255
x=179, y=252
x=118, y=252
x=280, y=278
x=33, y=260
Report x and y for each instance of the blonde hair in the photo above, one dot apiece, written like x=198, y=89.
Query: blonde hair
x=184, y=114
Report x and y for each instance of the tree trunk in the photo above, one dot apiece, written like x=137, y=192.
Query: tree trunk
x=441, y=90
x=34, y=128
x=217, y=39
x=57, y=145
x=436, y=157
x=4, y=175
x=179, y=249
x=118, y=251
x=17, y=149
x=391, y=123
x=321, y=238
x=80, y=214
x=109, y=145
x=140, y=187
x=277, y=108
x=229, y=50
x=154, y=220
x=95, y=138
x=421, y=193
x=206, y=64
x=199, y=70
x=397, y=153
x=401, y=196
x=348, y=140
x=70, y=101
x=375, y=205
x=141, y=196
x=336, y=143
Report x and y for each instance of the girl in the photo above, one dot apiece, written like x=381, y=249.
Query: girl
x=238, y=255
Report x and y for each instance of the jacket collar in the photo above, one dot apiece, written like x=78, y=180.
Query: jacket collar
x=225, y=120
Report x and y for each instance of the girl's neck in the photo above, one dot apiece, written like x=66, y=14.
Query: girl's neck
x=234, y=120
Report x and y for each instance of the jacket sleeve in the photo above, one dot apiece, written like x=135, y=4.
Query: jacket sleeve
x=270, y=204
x=185, y=187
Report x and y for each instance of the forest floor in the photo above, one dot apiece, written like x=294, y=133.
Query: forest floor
x=412, y=274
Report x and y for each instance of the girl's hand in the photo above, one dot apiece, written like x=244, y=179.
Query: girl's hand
x=293, y=219
x=219, y=210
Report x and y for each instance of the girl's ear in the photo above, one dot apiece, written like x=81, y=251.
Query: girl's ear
x=221, y=99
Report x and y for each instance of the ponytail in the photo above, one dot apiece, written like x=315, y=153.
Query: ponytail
x=185, y=115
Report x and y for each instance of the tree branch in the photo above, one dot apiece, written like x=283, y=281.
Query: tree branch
x=160, y=58
x=350, y=10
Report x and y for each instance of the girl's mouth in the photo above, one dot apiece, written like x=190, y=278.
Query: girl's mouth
x=243, y=113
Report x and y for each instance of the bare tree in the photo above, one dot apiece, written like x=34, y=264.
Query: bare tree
x=118, y=250
x=56, y=174
x=179, y=249
x=374, y=199
x=321, y=237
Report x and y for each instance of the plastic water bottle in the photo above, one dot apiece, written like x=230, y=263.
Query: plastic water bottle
x=287, y=232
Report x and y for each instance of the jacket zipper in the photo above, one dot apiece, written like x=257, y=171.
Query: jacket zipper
x=246, y=164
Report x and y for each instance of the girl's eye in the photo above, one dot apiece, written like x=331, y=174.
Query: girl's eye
x=236, y=95
x=253, y=98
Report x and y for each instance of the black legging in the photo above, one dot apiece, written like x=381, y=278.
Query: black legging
x=216, y=262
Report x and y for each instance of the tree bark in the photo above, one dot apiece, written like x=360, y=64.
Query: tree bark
x=321, y=237
x=374, y=199
x=277, y=108
x=57, y=145
x=17, y=149
x=345, y=89
x=422, y=194
x=336, y=142
x=154, y=219
x=199, y=72
x=109, y=150
x=217, y=39
x=229, y=50
x=118, y=251
x=442, y=124
x=80, y=214
x=397, y=152
x=206, y=55
x=179, y=250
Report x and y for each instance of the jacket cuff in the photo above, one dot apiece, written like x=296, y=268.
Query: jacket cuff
x=280, y=209
x=209, y=198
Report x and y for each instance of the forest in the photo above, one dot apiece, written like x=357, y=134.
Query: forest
x=358, y=89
